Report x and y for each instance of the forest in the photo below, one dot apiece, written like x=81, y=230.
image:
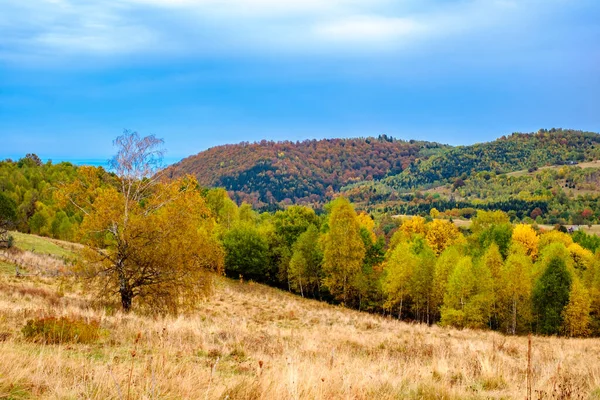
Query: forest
x=147, y=238
x=271, y=175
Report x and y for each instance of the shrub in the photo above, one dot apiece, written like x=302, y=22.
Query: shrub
x=52, y=330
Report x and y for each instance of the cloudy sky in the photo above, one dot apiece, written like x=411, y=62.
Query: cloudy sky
x=198, y=73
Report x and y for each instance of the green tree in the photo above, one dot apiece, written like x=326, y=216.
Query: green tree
x=444, y=266
x=223, y=208
x=469, y=296
x=343, y=249
x=246, y=253
x=8, y=215
x=551, y=295
x=305, y=266
x=398, y=271
x=421, y=288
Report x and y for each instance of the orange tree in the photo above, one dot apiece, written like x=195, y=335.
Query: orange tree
x=147, y=239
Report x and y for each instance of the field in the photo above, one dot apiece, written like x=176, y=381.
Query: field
x=250, y=341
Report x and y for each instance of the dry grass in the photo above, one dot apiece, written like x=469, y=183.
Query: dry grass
x=254, y=342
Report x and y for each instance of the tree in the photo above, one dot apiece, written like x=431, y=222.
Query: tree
x=441, y=234
x=289, y=225
x=223, y=208
x=421, y=287
x=444, y=267
x=576, y=315
x=246, y=253
x=147, y=240
x=343, y=249
x=8, y=215
x=551, y=295
x=514, y=290
x=398, y=273
x=469, y=296
x=305, y=265
x=525, y=235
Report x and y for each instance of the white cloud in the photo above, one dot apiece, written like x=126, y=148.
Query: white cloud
x=368, y=29
x=42, y=28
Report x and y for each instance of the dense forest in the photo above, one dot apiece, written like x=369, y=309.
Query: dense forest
x=493, y=275
x=309, y=172
x=29, y=189
x=568, y=194
x=379, y=172
x=518, y=151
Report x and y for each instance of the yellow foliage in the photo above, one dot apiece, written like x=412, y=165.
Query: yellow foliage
x=413, y=226
x=526, y=236
x=583, y=258
x=441, y=234
x=485, y=219
x=554, y=237
x=365, y=221
x=434, y=213
x=156, y=251
x=576, y=315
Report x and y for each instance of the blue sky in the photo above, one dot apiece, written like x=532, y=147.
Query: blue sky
x=199, y=73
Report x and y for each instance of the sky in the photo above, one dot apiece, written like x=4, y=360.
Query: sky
x=200, y=73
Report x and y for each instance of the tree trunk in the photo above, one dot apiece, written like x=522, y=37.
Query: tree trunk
x=514, y=316
x=126, y=296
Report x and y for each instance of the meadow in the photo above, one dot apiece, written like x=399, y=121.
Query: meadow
x=249, y=341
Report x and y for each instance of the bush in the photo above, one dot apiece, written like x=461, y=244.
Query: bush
x=52, y=330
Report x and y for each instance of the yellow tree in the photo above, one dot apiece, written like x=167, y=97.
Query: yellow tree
x=554, y=236
x=442, y=234
x=515, y=285
x=444, y=267
x=413, y=226
x=147, y=240
x=492, y=259
x=525, y=235
x=365, y=221
x=576, y=315
x=343, y=249
x=399, y=269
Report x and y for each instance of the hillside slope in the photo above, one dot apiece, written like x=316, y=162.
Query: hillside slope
x=513, y=153
x=300, y=172
x=253, y=342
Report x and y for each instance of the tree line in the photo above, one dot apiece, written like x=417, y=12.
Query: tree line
x=153, y=243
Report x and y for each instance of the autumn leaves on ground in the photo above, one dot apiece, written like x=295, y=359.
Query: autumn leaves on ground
x=249, y=341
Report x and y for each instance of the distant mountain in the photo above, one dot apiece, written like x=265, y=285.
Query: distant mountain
x=516, y=152
x=268, y=174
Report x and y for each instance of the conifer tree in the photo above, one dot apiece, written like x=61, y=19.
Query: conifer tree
x=551, y=295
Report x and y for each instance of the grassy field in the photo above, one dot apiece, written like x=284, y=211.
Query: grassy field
x=42, y=245
x=254, y=342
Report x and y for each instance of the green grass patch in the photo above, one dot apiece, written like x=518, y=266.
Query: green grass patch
x=7, y=269
x=38, y=244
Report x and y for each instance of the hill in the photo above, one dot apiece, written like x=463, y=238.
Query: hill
x=268, y=173
x=272, y=174
x=510, y=153
x=249, y=341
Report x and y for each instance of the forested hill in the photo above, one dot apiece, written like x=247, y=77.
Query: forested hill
x=518, y=151
x=269, y=173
